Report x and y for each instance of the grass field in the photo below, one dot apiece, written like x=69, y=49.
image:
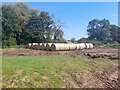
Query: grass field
x=48, y=71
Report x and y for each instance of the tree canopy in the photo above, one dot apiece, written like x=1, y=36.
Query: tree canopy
x=21, y=24
x=102, y=30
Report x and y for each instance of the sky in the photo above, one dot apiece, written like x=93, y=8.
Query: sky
x=60, y=0
x=76, y=15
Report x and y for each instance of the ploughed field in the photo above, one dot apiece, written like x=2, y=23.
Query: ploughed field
x=87, y=68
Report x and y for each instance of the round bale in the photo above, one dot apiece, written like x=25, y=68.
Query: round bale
x=77, y=46
x=34, y=45
x=59, y=46
x=66, y=47
x=48, y=46
x=91, y=45
x=82, y=45
x=72, y=46
x=43, y=46
x=29, y=45
x=38, y=47
x=87, y=45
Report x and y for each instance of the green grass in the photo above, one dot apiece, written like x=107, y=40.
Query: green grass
x=14, y=46
x=45, y=71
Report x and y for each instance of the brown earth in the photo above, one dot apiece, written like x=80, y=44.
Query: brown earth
x=93, y=79
x=96, y=52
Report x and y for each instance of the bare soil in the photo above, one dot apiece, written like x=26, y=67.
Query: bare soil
x=96, y=52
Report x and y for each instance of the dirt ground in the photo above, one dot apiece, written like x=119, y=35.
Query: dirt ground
x=97, y=79
x=96, y=52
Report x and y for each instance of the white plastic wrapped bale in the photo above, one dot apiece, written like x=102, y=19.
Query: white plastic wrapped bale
x=91, y=45
x=77, y=46
x=38, y=47
x=87, y=45
x=34, y=45
x=66, y=47
x=72, y=46
x=48, y=46
x=82, y=45
x=55, y=47
x=59, y=46
x=29, y=45
x=43, y=46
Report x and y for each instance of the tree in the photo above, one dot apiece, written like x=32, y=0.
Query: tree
x=47, y=25
x=9, y=23
x=82, y=40
x=14, y=19
x=114, y=33
x=22, y=24
x=58, y=33
x=119, y=34
x=41, y=27
x=99, y=30
x=73, y=40
x=92, y=29
x=102, y=30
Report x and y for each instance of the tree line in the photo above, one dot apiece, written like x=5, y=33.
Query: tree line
x=22, y=24
x=101, y=32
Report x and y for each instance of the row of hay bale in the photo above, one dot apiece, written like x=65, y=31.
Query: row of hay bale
x=59, y=46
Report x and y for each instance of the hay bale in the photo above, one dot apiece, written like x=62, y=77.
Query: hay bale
x=55, y=47
x=34, y=45
x=66, y=46
x=48, y=46
x=91, y=45
x=43, y=46
x=72, y=46
x=29, y=45
x=77, y=46
x=59, y=46
x=82, y=45
x=38, y=47
x=87, y=45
